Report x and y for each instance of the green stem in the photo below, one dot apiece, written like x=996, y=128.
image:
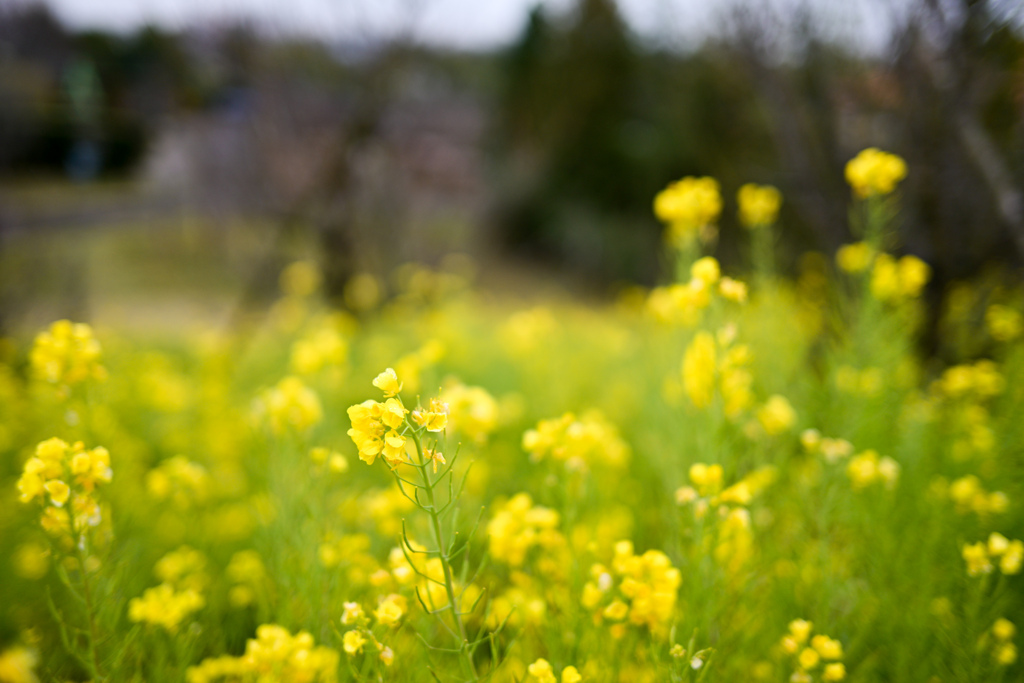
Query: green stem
x=89, y=612
x=449, y=583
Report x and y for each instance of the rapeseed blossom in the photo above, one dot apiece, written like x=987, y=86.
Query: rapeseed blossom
x=59, y=473
x=17, y=665
x=274, y=655
x=165, y=607
x=758, y=205
x=290, y=405
x=638, y=589
x=874, y=172
x=519, y=525
x=688, y=206
x=67, y=354
x=809, y=653
x=584, y=441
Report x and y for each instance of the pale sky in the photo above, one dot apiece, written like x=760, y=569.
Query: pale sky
x=458, y=23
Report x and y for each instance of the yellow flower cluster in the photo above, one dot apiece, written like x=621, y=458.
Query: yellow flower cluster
x=1003, y=651
x=855, y=258
x=290, y=405
x=67, y=354
x=577, y=442
x=833, y=450
x=518, y=526
x=867, y=468
x=703, y=372
x=968, y=495
x=17, y=665
x=874, y=172
x=707, y=487
x=59, y=473
x=324, y=347
x=178, y=481
x=688, y=206
x=376, y=425
x=472, y=410
x=979, y=556
x=165, y=607
x=274, y=656
x=808, y=656
x=521, y=604
x=183, y=568
x=973, y=381
x=759, y=204
x=542, y=672
x=776, y=415
x=735, y=542
x=684, y=304
x=645, y=592
x=1004, y=323
x=388, y=614
x=894, y=281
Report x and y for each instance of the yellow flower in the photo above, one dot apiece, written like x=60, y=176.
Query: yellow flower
x=1004, y=629
x=616, y=611
x=394, y=448
x=759, y=204
x=67, y=354
x=435, y=457
x=808, y=658
x=1006, y=654
x=855, y=258
x=541, y=670
x=433, y=418
x=353, y=613
x=827, y=647
x=776, y=416
x=733, y=290
x=17, y=665
x=874, y=172
x=353, y=642
x=1004, y=323
x=1013, y=558
x=707, y=478
x=518, y=526
x=291, y=404
x=687, y=206
x=163, y=606
x=976, y=556
x=914, y=274
x=863, y=469
x=571, y=675
x=390, y=610
x=387, y=382
x=997, y=544
x=834, y=672
x=273, y=655
x=706, y=270
x=800, y=629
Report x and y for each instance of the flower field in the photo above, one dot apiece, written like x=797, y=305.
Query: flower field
x=731, y=477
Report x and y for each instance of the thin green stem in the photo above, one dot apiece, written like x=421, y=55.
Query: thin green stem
x=449, y=583
x=89, y=612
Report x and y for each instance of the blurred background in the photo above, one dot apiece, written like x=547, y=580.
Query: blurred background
x=160, y=162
